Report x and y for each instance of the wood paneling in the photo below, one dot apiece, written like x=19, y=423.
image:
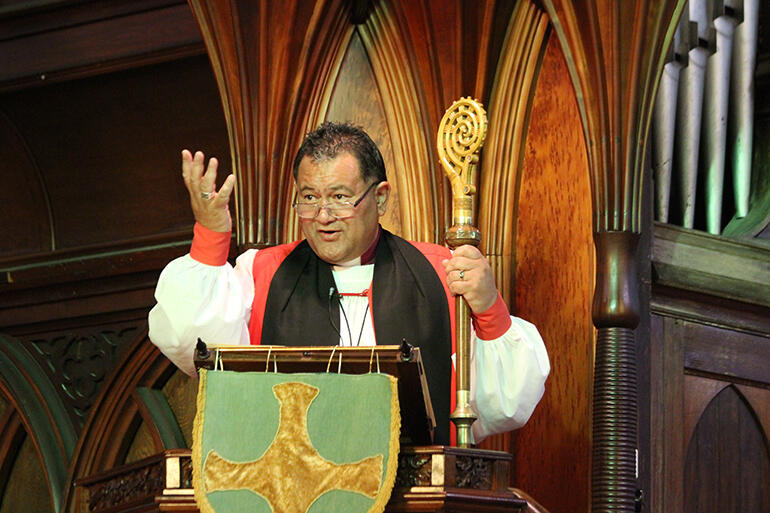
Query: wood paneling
x=729, y=353
x=615, y=54
x=24, y=196
x=667, y=415
x=275, y=64
x=75, y=40
x=698, y=261
x=115, y=140
x=95, y=207
x=710, y=403
x=699, y=393
x=452, y=49
x=759, y=401
x=410, y=134
x=728, y=459
x=509, y=114
x=554, y=276
x=356, y=98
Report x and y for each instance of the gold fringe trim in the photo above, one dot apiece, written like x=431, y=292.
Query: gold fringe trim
x=197, y=464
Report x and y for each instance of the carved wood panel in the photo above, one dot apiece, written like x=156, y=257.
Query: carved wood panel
x=24, y=196
x=356, y=87
x=406, y=61
x=79, y=361
x=710, y=405
x=727, y=466
x=113, y=140
x=553, y=287
x=119, y=430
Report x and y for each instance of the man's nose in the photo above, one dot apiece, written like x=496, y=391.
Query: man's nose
x=324, y=216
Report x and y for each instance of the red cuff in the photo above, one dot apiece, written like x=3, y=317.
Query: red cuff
x=493, y=322
x=210, y=247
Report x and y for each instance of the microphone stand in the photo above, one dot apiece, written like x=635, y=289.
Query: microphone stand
x=460, y=137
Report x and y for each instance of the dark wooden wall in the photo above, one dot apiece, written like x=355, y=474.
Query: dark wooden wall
x=710, y=373
x=96, y=101
x=98, y=98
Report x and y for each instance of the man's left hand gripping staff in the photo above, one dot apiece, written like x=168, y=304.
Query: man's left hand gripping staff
x=209, y=206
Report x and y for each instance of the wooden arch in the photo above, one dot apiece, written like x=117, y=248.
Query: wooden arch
x=615, y=56
x=130, y=405
x=38, y=410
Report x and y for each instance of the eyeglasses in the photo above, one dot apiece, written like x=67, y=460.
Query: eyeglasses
x=336, y=209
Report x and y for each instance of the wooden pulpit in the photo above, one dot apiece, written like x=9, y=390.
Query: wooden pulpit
x=429, y=477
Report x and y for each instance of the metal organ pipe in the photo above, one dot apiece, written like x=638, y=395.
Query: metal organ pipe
x=689, y=114
x=715, y=112
x=664, y=126
x=741, y=125
x=703, y=118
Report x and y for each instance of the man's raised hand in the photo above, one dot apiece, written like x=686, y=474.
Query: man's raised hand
x=210, y=207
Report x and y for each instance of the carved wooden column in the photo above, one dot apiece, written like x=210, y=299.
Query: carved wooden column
x=615, y=50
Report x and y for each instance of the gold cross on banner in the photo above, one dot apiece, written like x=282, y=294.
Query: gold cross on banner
x=291, y=474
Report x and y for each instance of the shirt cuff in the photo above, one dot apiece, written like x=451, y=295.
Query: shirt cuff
x=210, y=247
x=493, y=322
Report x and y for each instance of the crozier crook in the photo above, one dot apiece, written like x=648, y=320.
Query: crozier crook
x=460, y=137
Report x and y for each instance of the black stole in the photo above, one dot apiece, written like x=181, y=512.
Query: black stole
x=408, y=302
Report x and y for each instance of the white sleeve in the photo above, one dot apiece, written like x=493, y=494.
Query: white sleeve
x=507, y=378
x=199, y=300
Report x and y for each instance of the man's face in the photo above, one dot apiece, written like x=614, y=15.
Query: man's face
x=337, y=241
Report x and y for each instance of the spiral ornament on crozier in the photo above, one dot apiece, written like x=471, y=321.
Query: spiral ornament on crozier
x=462, y=132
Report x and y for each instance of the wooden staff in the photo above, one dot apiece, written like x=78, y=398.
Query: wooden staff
x=460, y=137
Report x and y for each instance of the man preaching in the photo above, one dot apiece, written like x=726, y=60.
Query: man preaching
x=349, y=283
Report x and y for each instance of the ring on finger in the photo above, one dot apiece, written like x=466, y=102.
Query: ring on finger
x=206, y=195
x=462, y=274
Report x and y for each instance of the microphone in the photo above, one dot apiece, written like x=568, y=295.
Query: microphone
x=332, y=293
x=331, y=320
x=201, y=350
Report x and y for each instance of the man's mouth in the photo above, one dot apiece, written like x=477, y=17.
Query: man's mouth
x=329, y=235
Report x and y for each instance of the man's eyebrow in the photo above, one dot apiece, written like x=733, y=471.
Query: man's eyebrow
x=340, y=187
x=333, y=188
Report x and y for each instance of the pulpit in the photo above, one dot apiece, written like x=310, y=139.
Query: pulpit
x=428, y=477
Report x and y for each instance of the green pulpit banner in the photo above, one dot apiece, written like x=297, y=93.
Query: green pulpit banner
x=295, y=443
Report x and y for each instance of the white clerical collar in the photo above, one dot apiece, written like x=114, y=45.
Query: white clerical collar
x=353, y=279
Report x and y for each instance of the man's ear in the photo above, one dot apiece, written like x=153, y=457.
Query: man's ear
x=382, y=193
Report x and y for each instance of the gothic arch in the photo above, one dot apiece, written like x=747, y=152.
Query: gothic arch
x=37, y=411
x=132, y=417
